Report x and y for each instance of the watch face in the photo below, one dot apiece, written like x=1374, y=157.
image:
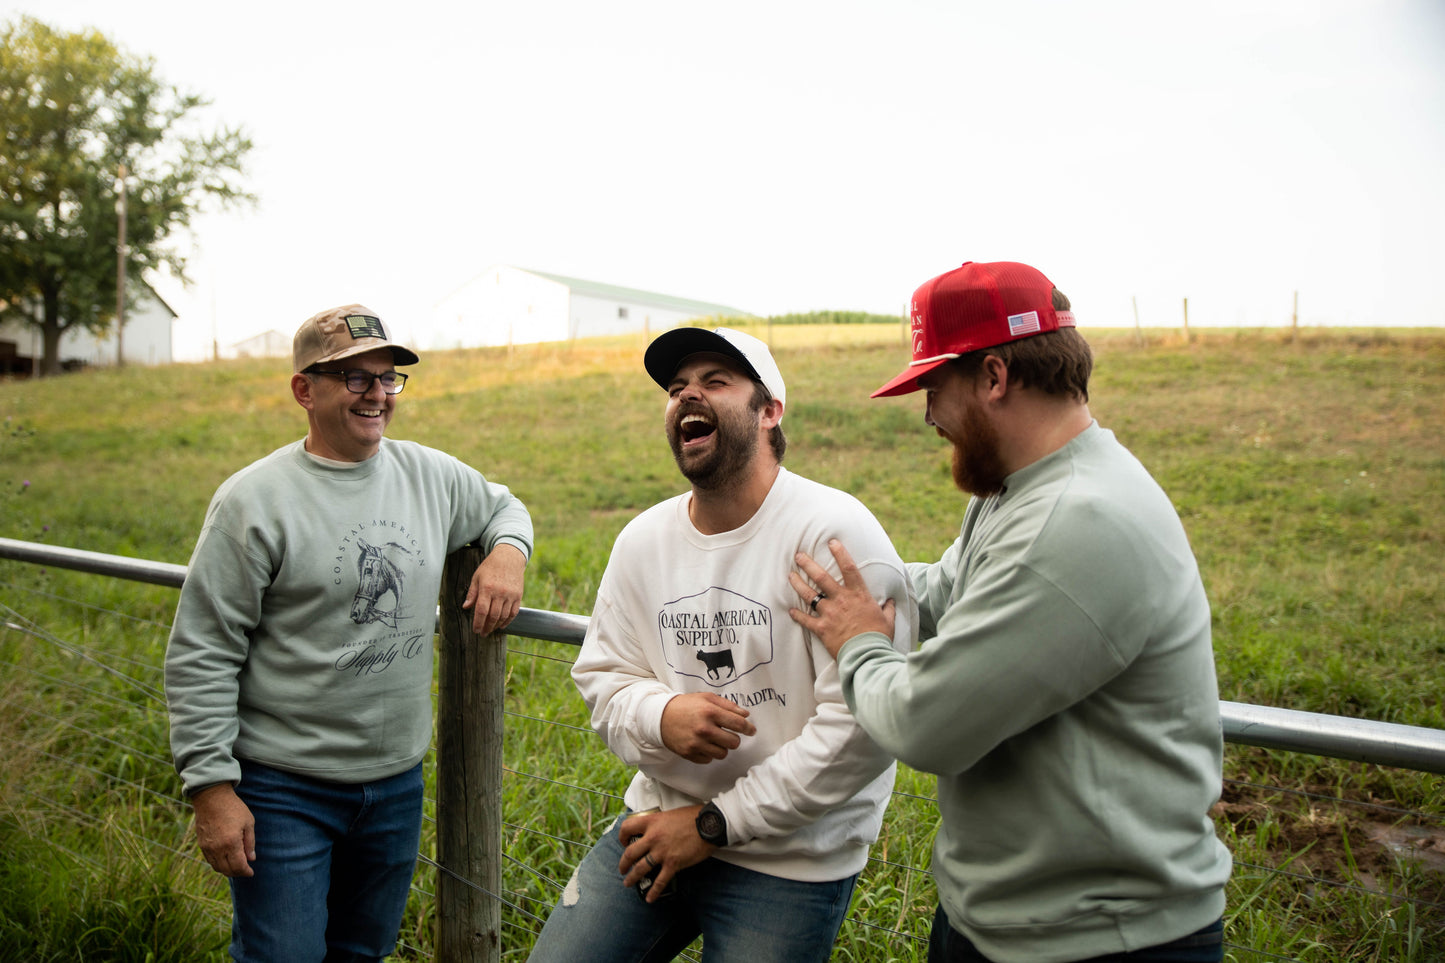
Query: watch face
x=710, y=826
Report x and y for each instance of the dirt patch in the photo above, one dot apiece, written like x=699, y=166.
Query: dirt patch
x=1333, y=840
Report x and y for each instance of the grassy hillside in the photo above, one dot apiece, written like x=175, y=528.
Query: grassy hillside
x=1310, y=475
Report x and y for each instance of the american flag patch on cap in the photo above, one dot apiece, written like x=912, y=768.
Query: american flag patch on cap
x=1026, y=323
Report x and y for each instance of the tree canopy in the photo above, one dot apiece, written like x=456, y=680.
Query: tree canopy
x=76, y=111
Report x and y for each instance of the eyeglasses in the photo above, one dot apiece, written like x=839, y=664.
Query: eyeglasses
x=359, y=381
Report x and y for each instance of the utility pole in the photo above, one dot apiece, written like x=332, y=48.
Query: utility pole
x=120, y=258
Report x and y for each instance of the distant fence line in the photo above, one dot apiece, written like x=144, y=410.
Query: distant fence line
x=470, y=693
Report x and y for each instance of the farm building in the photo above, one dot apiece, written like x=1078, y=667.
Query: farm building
x=146, y=339
x=509, y=305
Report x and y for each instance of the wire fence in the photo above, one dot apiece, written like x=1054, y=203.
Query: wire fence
x=76, y=702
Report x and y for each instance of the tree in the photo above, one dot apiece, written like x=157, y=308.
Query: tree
x=75, y=111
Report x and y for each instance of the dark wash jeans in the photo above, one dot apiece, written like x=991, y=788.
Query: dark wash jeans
x=743, y=916
x=333, y=867
x=948, y=945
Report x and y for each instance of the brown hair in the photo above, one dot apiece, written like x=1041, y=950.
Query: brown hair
x=760, y=399
x=1055, y=362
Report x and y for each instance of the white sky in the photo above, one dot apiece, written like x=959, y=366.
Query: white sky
x=781, y=155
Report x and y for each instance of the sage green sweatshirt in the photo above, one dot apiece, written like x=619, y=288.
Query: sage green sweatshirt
x=303, y=636
x=1065, y=695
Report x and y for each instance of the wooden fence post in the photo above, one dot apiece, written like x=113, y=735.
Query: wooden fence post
x=470, y=691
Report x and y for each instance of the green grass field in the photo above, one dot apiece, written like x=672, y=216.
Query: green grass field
x=1310, y=474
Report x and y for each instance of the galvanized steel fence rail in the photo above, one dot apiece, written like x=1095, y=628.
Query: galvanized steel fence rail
x=1361, y=740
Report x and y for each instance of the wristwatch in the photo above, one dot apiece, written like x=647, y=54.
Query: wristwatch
x=711, y=825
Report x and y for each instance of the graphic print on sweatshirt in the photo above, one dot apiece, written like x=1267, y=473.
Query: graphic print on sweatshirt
x=717, y=635
x=380, y=582
x=375, y=561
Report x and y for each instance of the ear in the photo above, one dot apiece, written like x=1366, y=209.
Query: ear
x=301, y=390
x=993, y=378
x=771, y=414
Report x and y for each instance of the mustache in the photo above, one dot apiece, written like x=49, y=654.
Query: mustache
x=691, y=408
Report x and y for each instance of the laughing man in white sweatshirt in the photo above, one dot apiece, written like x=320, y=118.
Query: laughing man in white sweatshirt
x=757, y=794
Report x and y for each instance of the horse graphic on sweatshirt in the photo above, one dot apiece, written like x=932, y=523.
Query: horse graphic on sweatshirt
x=379, y=578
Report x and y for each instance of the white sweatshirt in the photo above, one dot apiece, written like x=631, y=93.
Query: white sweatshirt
x=678, y=611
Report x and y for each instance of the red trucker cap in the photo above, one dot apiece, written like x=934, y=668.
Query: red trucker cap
x=978, y=305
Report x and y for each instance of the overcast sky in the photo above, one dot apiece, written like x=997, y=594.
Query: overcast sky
x=781, y=156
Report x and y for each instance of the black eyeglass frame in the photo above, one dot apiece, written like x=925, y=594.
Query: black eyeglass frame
x=355, y=376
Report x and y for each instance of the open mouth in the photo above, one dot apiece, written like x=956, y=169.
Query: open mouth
x=692, y=428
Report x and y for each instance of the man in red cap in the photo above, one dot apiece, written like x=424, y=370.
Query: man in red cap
x=1064, y=689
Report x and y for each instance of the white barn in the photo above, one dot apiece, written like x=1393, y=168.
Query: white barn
x=146, y=339
x=509, y=305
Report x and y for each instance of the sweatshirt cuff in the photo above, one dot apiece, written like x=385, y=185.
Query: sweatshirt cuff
x=196, y=778
x=524, y=547
x=649, y=719
x=859, y=649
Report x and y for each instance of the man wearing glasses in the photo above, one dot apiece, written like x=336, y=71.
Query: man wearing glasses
x=298, y=673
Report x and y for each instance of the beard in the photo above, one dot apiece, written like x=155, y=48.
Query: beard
x=735, y=442
x=977, y=467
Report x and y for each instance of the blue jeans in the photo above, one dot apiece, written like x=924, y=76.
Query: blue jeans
x=948, y=945
x=742, y=915
x=333, y=867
